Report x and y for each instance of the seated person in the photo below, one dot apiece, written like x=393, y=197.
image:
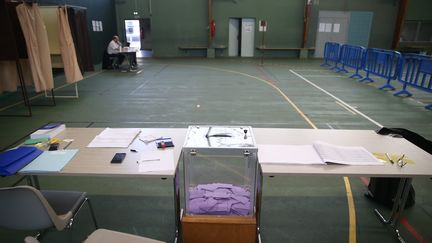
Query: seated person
x=114, y=48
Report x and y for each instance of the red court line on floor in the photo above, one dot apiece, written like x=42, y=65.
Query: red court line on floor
x=403, y=221
x=365, y=180
x=266, y=76
x=412, y=230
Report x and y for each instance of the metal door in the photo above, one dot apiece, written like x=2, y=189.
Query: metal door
x=333, y=27
x=132, y=30
x=233, y=37
x=247, y=37
x=146, y=34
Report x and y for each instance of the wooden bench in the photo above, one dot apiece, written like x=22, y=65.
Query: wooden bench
x=264, y=48
x=303, y=52
x=186, y=49
x=192, y=47
x=415, y=47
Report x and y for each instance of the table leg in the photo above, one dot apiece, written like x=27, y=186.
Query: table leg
x=176, y=182
x=259, y=201
x=20, y=180
x=129, y=61
x=398, y=207
x=33, y=180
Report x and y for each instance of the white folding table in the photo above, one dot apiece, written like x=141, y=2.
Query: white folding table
x=96, y=161
x=373, y=142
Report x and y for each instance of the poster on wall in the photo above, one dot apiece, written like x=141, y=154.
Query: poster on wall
x=328, y=27
x=97, y=26
x=262, y=26
x=248, y=27
x=94, y=25
x=321, y=27
x=336, y=28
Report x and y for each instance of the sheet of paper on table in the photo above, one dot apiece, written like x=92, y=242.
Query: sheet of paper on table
x=288, y=154
x=159, y=160
x=114, y=138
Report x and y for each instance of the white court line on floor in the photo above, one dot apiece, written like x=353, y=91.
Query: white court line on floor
x=346, y=108
x=323, y=76
x=330, y=126
x=417, y=101
x=310, y=70
x=338, y=99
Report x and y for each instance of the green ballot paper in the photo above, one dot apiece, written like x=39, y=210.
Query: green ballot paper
x=32, y=141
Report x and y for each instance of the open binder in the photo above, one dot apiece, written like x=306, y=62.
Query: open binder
x=319, y=153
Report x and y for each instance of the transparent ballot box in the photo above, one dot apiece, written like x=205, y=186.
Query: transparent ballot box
x=220, y=171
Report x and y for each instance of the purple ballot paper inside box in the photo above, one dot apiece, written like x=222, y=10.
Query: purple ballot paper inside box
x=219, y=199
x=197, y=193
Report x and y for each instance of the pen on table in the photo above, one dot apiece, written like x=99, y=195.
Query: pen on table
x=149, y=141
x=69, y=141
x=389, y=159
x=152, y=140
x=146, y=160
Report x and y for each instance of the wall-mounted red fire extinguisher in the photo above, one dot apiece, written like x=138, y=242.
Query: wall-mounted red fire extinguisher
x=212, y=28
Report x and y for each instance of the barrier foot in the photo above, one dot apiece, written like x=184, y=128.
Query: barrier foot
x=366, y=80
x=335, y=68
x=356, y=75
x=386, y=87
x=429, y=107
x=403, y=93
x=342, y=70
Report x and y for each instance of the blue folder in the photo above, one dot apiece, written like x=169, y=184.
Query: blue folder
x=51, y=125
x=50, y=161
x=13, y=160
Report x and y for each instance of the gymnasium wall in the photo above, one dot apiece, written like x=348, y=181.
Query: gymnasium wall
x=184, y=22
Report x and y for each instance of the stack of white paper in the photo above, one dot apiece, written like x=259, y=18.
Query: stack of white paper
x=48, y=132
x=114, y=138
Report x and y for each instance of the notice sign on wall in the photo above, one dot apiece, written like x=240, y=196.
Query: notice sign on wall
x=325, y=27
x=262, y=26
x=336, y=28
x=97, y=25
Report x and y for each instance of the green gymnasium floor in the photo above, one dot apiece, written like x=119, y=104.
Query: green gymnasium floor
x=181, y=92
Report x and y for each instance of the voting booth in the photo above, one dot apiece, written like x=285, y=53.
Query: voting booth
x=220, y=175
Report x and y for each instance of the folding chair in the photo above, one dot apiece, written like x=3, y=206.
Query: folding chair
x=26, y=208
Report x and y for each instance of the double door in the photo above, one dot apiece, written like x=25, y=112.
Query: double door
x=241, y=37
x=332, y=27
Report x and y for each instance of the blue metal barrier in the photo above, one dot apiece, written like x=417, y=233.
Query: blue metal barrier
x=415, y=71
x=331, y=54
x=382, y=63
x=353, y=57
